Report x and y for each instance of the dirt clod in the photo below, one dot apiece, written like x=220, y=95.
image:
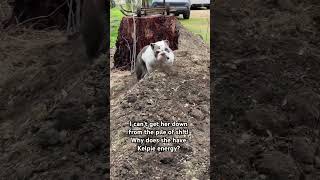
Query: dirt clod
x=317, y=162
x=132, y=98
x=303, y=150
x=166, y=158
x=85, y=147
x=24, y=172
x=70, y=119
x=277, y=166
x=48, y=137
x=263, y=119
x=196, y=113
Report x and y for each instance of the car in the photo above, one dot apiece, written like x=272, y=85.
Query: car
x=200, y=3
x=112, y=4
x=176, y=7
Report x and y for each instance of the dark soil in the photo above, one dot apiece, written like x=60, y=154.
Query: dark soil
x=53, y=108
x=266, y=91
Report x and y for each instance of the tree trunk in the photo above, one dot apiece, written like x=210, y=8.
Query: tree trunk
x=149, y=29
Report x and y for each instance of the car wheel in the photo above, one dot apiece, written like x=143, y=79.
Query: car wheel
x=112, y=4
x=167, y=10
x=139, y=11
x=186, y=15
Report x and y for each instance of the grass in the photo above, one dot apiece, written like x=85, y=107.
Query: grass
x=199, y=26
x=115, y=19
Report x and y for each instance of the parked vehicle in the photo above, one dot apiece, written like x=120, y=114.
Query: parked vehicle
x=112, y=4
x=176, y=7
x=200, y=3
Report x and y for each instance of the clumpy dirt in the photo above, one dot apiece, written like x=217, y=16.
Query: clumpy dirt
x=53, y=109
x=179, y=96
x=266, y=91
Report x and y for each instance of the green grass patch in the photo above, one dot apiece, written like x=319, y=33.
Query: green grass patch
x=199, y=26
x=115, y=19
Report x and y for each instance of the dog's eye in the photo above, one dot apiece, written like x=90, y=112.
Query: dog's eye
x=167, y=49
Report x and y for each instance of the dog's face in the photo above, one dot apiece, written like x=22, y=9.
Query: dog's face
x=162, y=52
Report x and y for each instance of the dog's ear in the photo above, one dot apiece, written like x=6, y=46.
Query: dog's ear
x=167, y=42
x=153, y=45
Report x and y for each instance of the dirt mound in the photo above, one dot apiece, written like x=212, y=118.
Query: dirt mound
x=266, y=89
x=181, y=96
x=53, y=108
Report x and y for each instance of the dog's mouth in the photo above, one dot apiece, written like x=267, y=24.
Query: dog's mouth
x=162, y=57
